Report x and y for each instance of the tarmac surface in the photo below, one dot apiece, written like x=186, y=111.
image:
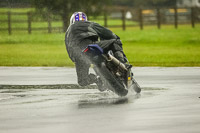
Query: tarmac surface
x=169, y=102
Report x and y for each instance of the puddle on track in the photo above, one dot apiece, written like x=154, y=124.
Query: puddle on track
x=90, y=100
x=85, y=98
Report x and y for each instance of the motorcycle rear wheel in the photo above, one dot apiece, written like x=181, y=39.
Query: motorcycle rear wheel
x=111, y=81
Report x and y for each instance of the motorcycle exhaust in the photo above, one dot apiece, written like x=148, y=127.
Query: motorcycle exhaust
x=116, y=62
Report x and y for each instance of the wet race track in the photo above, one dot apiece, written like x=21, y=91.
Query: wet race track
x=169, y=102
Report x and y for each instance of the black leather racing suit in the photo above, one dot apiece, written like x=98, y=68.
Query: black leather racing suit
x=78, y=36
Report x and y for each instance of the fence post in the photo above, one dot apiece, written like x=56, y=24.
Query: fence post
x=193, y=17
x=29, y=22
x=105, y=19
x=123, y=20
x=49, y=23
x=9, y=23
x=175, y=18
x=158, y=18
x=141, y=19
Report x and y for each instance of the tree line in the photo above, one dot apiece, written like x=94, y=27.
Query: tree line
x=65, y=8
x=132, y=3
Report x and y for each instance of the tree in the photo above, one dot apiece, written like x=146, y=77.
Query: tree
x=145, y=3
x=154, y=3
x=123, y=2
x=65, y=8
x=15, y=3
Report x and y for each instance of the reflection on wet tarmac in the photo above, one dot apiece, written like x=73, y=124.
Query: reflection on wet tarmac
x=87, y=97
x=101, y=102
x=35, y=109
x=105, y=99
x=11, y=91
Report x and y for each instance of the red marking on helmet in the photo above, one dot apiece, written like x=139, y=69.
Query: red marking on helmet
x=86, y=50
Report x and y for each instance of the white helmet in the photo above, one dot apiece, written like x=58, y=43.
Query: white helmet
x=78, y=16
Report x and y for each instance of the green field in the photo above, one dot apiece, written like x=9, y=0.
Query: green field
x=148, y=47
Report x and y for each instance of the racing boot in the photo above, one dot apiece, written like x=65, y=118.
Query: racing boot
x=122, y=58
x=87, y=80
x=100, y=85
x=94, y=79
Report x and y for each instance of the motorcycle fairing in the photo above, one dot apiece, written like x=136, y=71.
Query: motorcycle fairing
x=93, y=49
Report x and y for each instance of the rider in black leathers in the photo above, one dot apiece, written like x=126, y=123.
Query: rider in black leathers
x=79, y=35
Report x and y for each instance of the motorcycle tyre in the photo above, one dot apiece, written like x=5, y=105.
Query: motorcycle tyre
x=136, y=86
x=114, y=84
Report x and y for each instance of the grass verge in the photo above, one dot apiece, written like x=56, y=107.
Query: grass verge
x=148, y=47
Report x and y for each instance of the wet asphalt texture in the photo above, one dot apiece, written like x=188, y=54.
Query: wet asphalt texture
x=169, y=102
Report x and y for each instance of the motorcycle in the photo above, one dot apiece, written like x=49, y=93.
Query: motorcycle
x=115, y=76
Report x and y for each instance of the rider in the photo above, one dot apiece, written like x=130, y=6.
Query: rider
x=79, y=35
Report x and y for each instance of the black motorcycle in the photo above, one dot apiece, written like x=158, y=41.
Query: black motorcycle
x=115, y=76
